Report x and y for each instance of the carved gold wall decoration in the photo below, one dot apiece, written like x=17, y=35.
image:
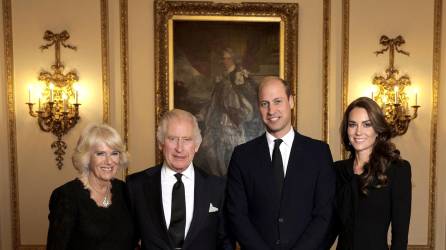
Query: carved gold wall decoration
x=58, y=106
x=392, y=88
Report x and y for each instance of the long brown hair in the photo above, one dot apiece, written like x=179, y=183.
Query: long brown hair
x=384, y=151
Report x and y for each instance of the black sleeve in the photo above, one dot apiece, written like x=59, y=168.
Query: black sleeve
x=239, y=222
x=401, y=205
x=225, y=241
x=62, y=219
x=315, y=235
x=130, y=196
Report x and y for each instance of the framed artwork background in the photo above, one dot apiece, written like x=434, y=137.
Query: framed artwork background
x=209, y=59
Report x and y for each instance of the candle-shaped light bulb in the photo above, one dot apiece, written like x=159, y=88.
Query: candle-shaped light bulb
x=384, y=99
x=65, y=104
x=30, y=88
x=416, y=97
x=374, y=90
x=39, y=95
x=51, y=91
x=395, y=89
x=76, y=93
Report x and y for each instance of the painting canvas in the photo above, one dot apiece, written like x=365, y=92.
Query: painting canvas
x=214, y=65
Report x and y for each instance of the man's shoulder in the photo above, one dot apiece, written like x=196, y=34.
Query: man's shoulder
x=212, y=183
x=218, y=180
x=309, y=144
x=138, y=176
x=308, y=140
x=252, y=143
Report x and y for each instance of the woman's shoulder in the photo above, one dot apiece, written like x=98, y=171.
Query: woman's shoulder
x=69, y=187
x=66, y=194
x=343, y=164
x=118, y=185
x=400, y=167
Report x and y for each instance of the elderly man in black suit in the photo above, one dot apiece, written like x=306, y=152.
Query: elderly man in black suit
x=280, y=185
x=176, y=205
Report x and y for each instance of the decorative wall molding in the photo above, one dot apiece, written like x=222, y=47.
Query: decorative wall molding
x=123, y=21
x=105, y=62
x=326, y=66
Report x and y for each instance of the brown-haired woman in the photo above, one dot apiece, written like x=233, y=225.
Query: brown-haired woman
x=91, y=211
x=373, y=184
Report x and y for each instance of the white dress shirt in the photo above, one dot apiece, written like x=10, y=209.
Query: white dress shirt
x=168, y=179
x=285, y=147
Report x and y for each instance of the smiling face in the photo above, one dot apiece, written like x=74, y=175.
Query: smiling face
x=104, y=162
x=275, y=107
x=361, y=134
x=179, y=145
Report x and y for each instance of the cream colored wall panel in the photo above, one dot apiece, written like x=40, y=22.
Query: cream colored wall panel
x=309, y=103
x=37, y=171
x=142, y=85
x=414, y=21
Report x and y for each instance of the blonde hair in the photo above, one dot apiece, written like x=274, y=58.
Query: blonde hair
x=93, y=135
x=177, y=114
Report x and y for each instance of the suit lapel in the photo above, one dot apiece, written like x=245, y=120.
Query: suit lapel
x=153, y=193
x=264, y=154
x=295, y=156
x=201, y=206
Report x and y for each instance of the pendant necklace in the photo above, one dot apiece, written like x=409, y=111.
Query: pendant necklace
x=106, y=201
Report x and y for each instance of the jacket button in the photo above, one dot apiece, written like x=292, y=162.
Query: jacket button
x=277, y=242
x=280, y=220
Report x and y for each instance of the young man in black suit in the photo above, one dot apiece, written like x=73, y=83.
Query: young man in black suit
x=174, y=204
x=280, y=192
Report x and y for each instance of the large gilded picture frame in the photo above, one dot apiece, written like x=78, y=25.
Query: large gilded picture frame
x=209, y=60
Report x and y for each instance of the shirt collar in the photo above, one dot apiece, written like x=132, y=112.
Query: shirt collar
x=287, y=138
x=188, y=173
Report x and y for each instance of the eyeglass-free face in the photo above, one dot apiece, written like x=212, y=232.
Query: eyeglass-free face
x=361, y=134
x=104, y=162
x=179, y=146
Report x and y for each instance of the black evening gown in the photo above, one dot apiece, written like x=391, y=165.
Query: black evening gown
x=362, y=222
x=77, y=222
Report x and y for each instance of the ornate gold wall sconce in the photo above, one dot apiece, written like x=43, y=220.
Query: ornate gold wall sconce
x=392, y=90
x=58, y=99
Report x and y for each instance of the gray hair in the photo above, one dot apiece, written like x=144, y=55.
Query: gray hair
x=177, y=114
x=93, y=135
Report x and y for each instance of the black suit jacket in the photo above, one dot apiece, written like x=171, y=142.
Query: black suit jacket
x=207, y=230
x=259, y=218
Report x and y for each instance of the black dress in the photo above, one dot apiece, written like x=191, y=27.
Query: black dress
x=363, y=221
x=77, y=222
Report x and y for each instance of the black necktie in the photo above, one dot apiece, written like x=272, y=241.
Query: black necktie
x=278, y=165
x=178, y=215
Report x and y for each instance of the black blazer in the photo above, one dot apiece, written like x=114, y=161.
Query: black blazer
x=76, y=222
x=362, y=222
x=207, y=229
x=259, y=218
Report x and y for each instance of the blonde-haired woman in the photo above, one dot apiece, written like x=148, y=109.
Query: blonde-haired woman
x=91, y=211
